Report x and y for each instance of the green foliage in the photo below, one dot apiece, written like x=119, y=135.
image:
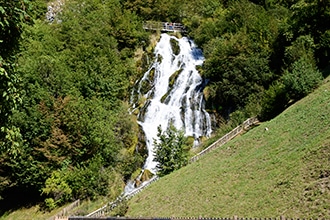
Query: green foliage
x=253, y=107
x=238, y=43
x=10, y=97
x=121, y=209
x=274, y=101
x=62, y=107
x=302, y=80
x=128, y=162
x=13, y=14
x=94, y=180
x=50, y=203
x=249, y=45
x=312, y=18
x=72, y=133
x=86, y=181
x=237, y=117
x=170, y=10
x=13, y=141
x=58, y=190
x=302, y=47
x=38, y=9
x=235, y=72
x=75, y=79
x=170, y=153
x=175, y=46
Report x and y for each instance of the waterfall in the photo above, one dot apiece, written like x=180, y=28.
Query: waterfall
x=172, y=92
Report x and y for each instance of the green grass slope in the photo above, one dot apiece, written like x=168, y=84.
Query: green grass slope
x=284, y=171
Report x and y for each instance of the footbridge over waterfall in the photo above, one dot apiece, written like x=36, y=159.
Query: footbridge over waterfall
x=164, y=26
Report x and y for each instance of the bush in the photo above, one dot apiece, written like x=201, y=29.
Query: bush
x=303, y=78
x=58, y=189
x=94, y=180
x=50, y=203
x=274, y=101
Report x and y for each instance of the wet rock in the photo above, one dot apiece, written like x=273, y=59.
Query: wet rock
x=53, y=9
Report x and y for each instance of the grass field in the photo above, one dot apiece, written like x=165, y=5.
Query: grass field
x=284, y=171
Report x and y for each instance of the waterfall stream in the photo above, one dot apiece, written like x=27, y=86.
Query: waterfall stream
x=172, y=91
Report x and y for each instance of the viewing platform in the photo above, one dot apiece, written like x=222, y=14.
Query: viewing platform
x=164, y=26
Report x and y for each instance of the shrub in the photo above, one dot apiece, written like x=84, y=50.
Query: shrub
x=274, y=101
x=57, y=188
x=303, y=78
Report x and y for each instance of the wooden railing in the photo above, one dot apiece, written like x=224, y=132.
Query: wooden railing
x=236, y=131
x=107, y=208
x=164, y=26
x=233, y=133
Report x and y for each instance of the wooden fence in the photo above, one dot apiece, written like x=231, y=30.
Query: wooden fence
x=65, y=212
x=164, y=26
x=111, y=205
x=233, y=133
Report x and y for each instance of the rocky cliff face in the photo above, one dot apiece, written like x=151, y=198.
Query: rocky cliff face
x=53, y=9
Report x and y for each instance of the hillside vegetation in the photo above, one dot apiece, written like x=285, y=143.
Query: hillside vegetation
x=65, y=85
x=282, y=171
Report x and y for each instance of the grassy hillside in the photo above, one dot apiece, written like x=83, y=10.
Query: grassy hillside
x=282, y=171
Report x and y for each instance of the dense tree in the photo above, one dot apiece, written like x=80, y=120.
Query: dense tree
x=249, y=45
x=303, y=79
x=170, y=10
x=75, y=127
x=312, y=17
x=238, y=54
x=13, y=15
x=170, y=153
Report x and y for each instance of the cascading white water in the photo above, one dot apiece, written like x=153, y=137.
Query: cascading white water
x=180, y=102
